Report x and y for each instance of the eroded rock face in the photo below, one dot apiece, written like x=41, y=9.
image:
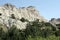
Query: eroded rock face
x=10, y=15
x=55, y=21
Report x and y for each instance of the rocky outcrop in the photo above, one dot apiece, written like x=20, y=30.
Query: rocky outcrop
x=10, y=15
x=55, y=21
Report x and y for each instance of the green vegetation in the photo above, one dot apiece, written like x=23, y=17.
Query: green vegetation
x=58, y=26
x=12, y=16
x=23, y=20
x=34, y=31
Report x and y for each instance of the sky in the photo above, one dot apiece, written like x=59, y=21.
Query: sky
x=47, y=8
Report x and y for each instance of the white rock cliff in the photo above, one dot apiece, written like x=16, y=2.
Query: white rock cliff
x=29, y=13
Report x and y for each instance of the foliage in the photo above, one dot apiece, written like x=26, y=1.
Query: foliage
x=12, y=16
x=23, y=20
x=12, y=34
x=35, y=30
x=45, y=33
x=57, y=33
x=58, y=26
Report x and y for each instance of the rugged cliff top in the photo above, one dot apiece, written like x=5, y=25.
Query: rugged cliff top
x=55, y=21
x=10, y=15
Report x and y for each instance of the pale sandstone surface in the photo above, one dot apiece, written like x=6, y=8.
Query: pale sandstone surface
x=29, y=13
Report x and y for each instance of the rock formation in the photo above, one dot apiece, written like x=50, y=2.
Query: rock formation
x=55, y=21
x=10, y=15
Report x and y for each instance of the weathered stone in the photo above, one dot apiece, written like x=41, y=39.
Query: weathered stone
x=55, y=21
x=29, y=13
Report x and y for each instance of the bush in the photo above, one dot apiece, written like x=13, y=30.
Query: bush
x=45, y=33
x=33, y=29
x=57, y=33
x=12, y=34
x=16, y=34
x=12, y=16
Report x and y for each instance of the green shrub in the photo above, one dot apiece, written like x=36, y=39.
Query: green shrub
x=12, y=16
x=57, y=33
x=45, y=33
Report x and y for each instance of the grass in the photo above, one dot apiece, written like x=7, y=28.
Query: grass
x=48, y=38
